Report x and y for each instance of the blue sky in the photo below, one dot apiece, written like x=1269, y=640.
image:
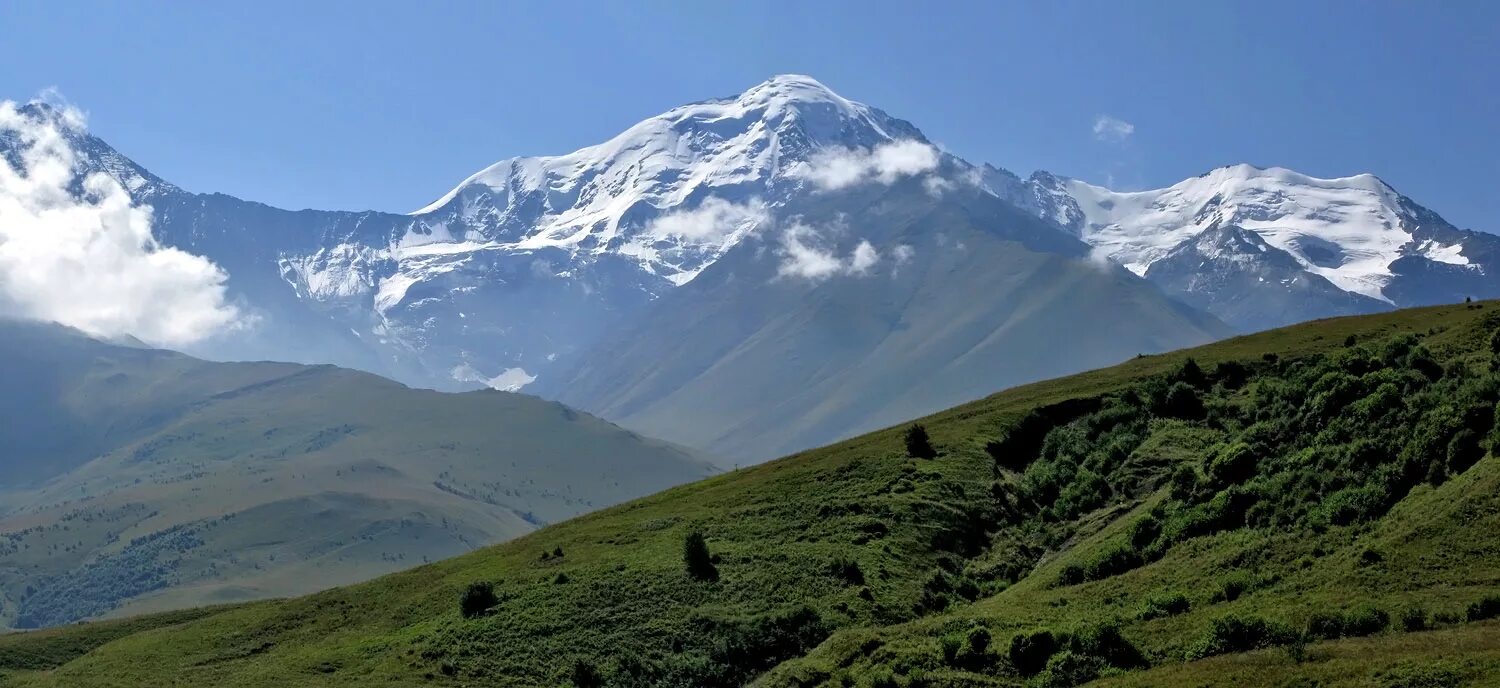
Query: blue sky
x=385, y=105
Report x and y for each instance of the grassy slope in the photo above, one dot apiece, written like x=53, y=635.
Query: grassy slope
x=288, y=479
x=776, y=528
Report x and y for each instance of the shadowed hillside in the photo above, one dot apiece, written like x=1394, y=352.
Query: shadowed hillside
x=1316, y=502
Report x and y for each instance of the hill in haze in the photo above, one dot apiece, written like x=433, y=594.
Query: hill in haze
x=136, y=479
x=1313, y=505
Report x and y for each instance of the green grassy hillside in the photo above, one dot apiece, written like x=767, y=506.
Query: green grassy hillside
x=1308, y=506
x=177, y=482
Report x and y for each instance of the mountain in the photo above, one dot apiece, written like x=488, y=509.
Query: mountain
x=563, y=275
x=135, y=478
x=536, y=273
x=749, y=362
x=1308, y=248
x=1313, y=505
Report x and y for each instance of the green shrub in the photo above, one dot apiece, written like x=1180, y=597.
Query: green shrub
x=695, y=556
x=1184, y=483
x=477, y=599
x=1071, y=574
x=1231, y=634
x=1414, y=619
x=1359, y=622
x=584, y=675
x=1181, y=401
x=847, y=570
x=1067, y=669
x=1169, y=604
x=1486, y=608
x=1029, y=652
x=1144, y=531
x=1230, y=465
x=1232, y=587
x=1105, y=642
x=918, y=445
x=1112, y=562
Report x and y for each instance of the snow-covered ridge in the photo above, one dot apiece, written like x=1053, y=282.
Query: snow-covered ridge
x=604, y=198
x=1348, y=230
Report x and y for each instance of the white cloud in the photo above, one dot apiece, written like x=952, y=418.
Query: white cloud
x=91, y=262
x=810, y=254
x=1112, y=129
x=863, y=258
x=835, y=169
x=903, y=254
x=936, y=186
x=713, y=221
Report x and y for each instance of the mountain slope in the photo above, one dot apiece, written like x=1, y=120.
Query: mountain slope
x=749, y=362
x=150, y=479
x=856, y=564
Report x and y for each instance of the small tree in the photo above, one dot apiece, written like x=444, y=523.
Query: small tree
x=918, y=445
x=695, y=555
x=477, y=599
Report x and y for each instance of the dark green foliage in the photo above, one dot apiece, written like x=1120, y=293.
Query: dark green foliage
x=1105, y=642
x=1067, y=669
x=1112, y=561
x=1232, y=587
x=1144, y=531
x=1230, y=465
x=979, y=641
x=477, y=599
x=1231, y=374
x=1229, y=634
x=1487, y=608
x=1029, y=651
x=1184, y=485
x=1181, y=401
x=1160, y=606
x=584, y=675
x=743, y=649
x=1414, y=619
x=1190, y=373
x=1073, y=658
x=1326, y=441
x=1359, y=622
x=847, y=570
x=918, y=445
x=695, y=556
x=1022, y=441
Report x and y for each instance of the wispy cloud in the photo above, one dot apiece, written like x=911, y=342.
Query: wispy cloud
x=712, y=221
x=809, y=253
x=90, y=261
x=831, y=170
x=1112, y=129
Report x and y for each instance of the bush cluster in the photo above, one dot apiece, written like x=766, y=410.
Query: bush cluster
x=1072, y=658
x=1325, y=441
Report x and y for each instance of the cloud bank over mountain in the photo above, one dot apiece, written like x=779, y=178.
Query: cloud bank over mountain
x=89, y=259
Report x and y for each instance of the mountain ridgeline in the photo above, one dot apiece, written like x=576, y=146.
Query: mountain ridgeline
x=138, y=479
x=1312, y=505
x=789, y=224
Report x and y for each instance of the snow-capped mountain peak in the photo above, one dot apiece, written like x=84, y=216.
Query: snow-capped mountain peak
x=605, y=198
x=1347, y=230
